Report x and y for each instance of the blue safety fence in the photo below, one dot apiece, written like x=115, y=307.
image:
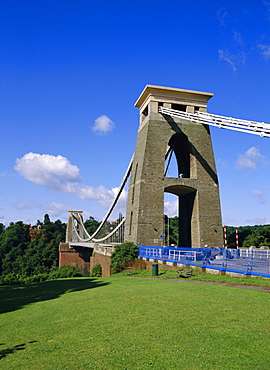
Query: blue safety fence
x=254, y=262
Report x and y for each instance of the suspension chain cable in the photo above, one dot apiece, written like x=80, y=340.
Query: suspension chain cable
x=252, y=127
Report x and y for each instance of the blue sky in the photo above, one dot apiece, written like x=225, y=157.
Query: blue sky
x=71, y=72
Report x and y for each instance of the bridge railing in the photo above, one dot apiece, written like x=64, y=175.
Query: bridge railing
x=255, y=262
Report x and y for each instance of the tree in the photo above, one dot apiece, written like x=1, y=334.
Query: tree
x=2, y=227
x=123, y=254
x=174, y=230
x=47, y=220
x=13, y=242
x=19, y=255
x=91, y=225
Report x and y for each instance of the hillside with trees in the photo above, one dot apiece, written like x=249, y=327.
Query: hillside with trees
x=27, y=250
x=257, y=236
x=25, y=254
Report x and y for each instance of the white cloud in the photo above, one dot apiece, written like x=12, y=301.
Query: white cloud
x=55, y=209
x=244, y=162
x=2, y=219
x=52, y=208
x=171, y=208
x=22, y=205
x=232, y=59
x=265, y=50
x=5, y=174
x=250, y=159
x=223, y=17
x=258, y=221
x=100, y=194
x=259, y=195
x=267, y=4
x=222, y=163
x=56, y=173
x=228, y=220
x=238, y=38
x=224, y=55
x=103, y=124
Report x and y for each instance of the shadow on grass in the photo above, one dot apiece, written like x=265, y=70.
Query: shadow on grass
x=19, y=296
x=9, y=351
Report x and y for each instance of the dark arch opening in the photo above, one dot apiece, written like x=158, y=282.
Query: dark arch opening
x=179, y=144
x=186, y=197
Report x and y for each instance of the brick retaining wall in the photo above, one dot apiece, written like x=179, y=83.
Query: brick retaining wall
x=104, y=261
x=79, y=257
x=84, y=259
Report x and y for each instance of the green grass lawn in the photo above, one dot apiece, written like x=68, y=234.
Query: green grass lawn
x=123, y=323
x=198, y=276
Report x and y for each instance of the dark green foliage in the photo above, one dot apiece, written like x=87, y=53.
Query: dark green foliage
x=91, y=225
x=173, y=230
x=96, y=271
x=21, y=257
x=257, y=239
x=23, y=261
x=13, y=279
x=13, y=243
x=123, y=254
x=248, y=236
x=10, y=279
x=2, y=227
x=257, y=235
x=65, y=271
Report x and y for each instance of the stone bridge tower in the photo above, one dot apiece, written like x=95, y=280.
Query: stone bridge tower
x=196, y=184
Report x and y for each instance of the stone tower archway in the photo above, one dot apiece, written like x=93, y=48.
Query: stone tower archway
x=196, y=185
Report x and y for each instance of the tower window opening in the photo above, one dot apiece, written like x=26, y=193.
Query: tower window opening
x=134, y=181
x=145, y=111
x=130, y=225
x=180, y=107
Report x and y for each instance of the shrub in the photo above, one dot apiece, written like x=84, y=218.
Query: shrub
x=65, y=271
x=139, y=265
x=35, y=278
x=96, y=271
x=11, y=279
x=123, y=255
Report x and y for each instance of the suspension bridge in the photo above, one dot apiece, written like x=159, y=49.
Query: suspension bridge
x=173, y=122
